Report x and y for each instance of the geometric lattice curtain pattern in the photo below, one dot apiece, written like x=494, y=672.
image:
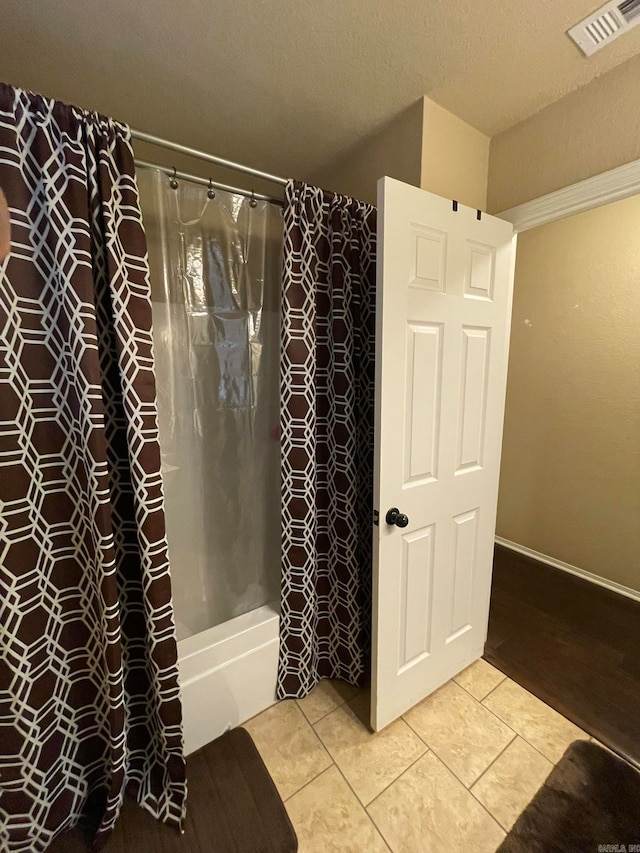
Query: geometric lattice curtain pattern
x=327, y=425
x=89, y=701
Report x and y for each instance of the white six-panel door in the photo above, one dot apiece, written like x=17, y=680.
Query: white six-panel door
x=445, y=281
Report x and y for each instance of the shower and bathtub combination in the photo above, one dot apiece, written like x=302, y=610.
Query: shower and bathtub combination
x=215, y=260
x=187, y=437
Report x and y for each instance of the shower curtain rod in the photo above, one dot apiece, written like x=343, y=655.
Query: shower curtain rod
x=196, y=179
x=202, y=155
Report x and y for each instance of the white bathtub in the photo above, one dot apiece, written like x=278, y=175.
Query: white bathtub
x=228, y=674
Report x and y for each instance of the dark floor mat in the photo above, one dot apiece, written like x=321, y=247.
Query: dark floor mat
x=590, y=801
x=232, y=807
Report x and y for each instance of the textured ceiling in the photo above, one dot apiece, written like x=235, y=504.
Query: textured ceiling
x=286, y=85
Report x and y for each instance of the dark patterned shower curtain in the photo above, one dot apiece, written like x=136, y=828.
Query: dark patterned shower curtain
x=89, y=701
x=327, y=402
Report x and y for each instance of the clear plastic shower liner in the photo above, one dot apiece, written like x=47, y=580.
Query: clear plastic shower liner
x=215, y=283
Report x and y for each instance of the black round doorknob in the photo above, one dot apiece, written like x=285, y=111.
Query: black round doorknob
x=394, y=516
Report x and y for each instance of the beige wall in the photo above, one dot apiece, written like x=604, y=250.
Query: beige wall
x=395, y=151
x=570, y=480
x=425, y=146
x=455, y=157
x=590, y=131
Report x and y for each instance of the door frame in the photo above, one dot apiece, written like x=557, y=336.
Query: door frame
x=605, y=188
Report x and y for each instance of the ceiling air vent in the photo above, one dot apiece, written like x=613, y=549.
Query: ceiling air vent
x=605, y=25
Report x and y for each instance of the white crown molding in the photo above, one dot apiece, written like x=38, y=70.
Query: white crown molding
x=567, y=567
x=610, y=186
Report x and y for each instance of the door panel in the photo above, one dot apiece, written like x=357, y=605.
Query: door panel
x=472, y=411
x=445, y=282
x=416, y=591
x=422, y=415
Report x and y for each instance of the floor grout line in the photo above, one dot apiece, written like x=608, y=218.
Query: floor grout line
x=379, y=831
x=516, y=733
x=455, y=774
x=340, y=705
x=373, y=734
x=493, y=689
x=306, y=784
x=522, y=736
x=400, y=775
x=486, y=808
x=346, y=781
x=502, y=751
x=313, y=723
x=362, y=805
x=492, y=816
x=315, y=734
x=450, y=769
x=510, y=727
x=419, y=736
x=480, y=701
x=408, y=767
x=469, y=791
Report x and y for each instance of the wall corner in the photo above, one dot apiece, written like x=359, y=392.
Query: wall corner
x=455, y=157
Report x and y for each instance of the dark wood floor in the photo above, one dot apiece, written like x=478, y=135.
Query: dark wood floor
x=572, y=643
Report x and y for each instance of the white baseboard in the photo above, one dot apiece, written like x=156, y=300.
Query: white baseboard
x=567, y=567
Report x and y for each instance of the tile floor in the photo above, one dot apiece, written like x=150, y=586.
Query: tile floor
x=452, y=774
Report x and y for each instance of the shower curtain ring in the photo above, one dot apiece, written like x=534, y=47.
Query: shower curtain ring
x=211, y=193
x=173, y=180
x=253, y=202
